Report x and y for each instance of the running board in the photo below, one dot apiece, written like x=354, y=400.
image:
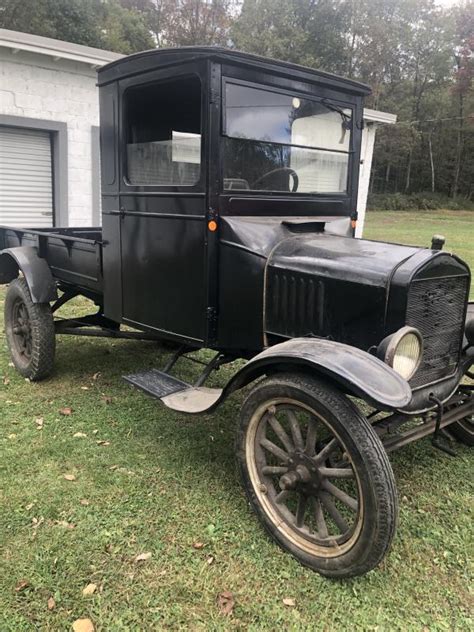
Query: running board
x=174, y=393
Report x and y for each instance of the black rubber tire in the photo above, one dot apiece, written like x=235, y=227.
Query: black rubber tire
x=461, y=433
x=40, y=362
x=376, y=479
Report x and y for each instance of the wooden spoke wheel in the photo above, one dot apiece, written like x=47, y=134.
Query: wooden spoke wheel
x=317, y=475
x=29, y=329
x=22, y=334
x=463, y=430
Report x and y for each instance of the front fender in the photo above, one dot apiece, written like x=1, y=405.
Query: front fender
x=356, y=371
x=35, y=270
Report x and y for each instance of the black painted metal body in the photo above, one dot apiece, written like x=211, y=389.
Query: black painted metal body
x=280, y=265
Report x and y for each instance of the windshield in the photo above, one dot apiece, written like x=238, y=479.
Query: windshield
x=280, y=142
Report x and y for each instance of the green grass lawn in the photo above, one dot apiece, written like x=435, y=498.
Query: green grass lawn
x=417, y=227
x=147, y=480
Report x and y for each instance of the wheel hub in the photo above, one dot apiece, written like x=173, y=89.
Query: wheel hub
x=302, y=474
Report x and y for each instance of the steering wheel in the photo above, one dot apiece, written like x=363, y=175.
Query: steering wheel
x=288, y=170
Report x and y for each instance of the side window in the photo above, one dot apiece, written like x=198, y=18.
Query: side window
x=163, y=133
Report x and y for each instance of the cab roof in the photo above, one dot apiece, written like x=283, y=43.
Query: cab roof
x=162, y=57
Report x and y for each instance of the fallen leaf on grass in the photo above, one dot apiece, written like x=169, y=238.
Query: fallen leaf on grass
x=85, y=502
x=89, y=590
x=79, y=435
x=210, y=559
x=143, y=557
x=288, y=601
x=198, y=545
x=37, y=522
x=65, y=524
x=84, y=388
x=83, y=625
x=39, y=421
x=69, y=477
x=102, y=442
x=65, y=411
x=51, y=603
x=225, y=601
x=22, y=585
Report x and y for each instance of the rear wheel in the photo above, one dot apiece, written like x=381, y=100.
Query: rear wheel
x=29, y=329
x=463, y=430
x=317, y=475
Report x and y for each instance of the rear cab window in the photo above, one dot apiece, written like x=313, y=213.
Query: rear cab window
x=163, y=133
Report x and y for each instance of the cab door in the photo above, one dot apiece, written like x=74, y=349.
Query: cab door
x=163, y=203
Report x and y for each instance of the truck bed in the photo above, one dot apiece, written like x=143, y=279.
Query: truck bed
x=73, y=254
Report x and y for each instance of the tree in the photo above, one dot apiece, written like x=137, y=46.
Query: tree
x=99, y=23
x=309, y=32
x=185, y=22
x=463, y=79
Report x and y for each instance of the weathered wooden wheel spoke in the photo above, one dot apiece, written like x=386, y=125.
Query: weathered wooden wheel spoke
x=282, y=496
x=337, y=472
x=281, y=433
x=275, y=450
x=328, y=449
x=269, y=470
x=341, y=495
x=321, y=525
x=301, y=510
x=295, y=430
x=311, y=434
x=334, y=512
x=22, y=330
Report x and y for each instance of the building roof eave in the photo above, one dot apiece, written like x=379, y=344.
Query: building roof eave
x=56, y=49
x=381, y=118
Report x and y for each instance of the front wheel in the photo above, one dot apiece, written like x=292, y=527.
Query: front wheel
x=317, y=475
x=29, y=330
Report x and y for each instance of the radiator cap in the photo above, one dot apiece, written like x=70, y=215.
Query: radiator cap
x=437, y=242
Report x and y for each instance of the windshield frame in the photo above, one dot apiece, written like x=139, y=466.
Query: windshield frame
x=324, y=101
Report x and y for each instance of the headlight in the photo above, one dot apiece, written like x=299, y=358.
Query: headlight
x=402, y=351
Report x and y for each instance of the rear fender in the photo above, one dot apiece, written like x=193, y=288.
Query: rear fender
x=356, y=371
x=36, y=271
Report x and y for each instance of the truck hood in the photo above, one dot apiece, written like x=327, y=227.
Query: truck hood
x=344, y=258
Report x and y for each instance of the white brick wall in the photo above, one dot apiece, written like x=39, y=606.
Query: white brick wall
x=35, y=86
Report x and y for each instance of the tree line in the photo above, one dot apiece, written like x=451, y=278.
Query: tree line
x=417, y=56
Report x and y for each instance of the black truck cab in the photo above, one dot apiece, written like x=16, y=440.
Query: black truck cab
x=209, y=158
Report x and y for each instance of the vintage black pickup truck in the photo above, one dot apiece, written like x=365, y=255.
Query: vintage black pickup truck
x=229, y=193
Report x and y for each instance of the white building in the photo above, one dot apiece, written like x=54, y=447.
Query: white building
x=49, y=133
x=49, y=141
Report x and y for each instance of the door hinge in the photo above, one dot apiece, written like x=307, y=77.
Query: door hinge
x=211, y=214
x=211, y=316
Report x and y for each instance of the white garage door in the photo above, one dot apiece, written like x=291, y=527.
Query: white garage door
x=26, y=180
